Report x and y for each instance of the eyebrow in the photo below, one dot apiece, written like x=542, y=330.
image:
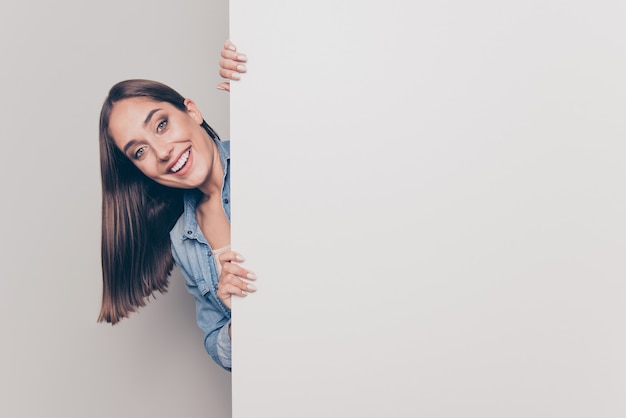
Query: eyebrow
x=129, y=145
x=145, y=122
x=152, y=112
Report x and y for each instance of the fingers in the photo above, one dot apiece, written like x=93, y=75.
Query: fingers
x=231, y=65
x=228, y=260
x=231, y=284
x=230, y=74
x=230, y=256
x=224, y=86
x=229, y=45
x=229, y=52
x=232, y=69
x=234, y=279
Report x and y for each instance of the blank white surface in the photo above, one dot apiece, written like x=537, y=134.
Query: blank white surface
x=432, y=195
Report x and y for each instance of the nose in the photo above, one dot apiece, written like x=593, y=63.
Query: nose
x=163, y=150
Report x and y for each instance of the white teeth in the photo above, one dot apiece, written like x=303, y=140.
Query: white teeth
x=181, y=162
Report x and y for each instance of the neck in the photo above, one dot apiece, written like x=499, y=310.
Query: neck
x=215, y=180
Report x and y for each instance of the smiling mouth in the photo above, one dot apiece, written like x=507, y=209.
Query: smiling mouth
x=181, y=162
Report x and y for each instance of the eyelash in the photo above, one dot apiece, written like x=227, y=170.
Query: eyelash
x=162, y=125
x=137, y=154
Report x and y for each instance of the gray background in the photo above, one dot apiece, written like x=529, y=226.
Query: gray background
x=58, y=61
x=432, y=195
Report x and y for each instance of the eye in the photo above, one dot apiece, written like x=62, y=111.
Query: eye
x=139, y=152
x=161, y=125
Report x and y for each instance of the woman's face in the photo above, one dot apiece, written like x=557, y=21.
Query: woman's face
x=168, y=145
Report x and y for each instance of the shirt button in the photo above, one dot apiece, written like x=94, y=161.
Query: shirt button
x=225, y=200
x=209, y=253
x=189, y=232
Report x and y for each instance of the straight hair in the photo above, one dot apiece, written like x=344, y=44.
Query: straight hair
x=137, y=214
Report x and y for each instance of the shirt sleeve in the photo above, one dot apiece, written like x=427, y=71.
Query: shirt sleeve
x=223, y=346
x=211, y=320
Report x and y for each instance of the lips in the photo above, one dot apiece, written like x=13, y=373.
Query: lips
x=180, y=163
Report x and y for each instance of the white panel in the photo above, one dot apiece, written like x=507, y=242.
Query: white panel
x=432, y=194
x=59, y=60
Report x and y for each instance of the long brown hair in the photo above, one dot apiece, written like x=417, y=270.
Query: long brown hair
x=137, y=214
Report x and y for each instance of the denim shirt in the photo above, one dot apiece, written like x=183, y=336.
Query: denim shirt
x=194, y=256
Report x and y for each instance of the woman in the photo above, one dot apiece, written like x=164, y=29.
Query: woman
x=166, y=190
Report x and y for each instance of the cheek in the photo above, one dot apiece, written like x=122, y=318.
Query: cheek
x=146, y=168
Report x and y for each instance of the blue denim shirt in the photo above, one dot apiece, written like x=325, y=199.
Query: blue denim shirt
x=194, y=256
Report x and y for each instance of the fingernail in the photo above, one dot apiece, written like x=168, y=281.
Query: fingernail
x=235, y=76
x=242, y=57
x=250, y=287
x=220, y=88
x=244, y=293
x=251, y=276
x=232, y=47
x=241, y=68
x=240, y=257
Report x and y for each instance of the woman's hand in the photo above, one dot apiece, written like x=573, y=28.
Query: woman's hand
x=233, y=278
x=231, y=65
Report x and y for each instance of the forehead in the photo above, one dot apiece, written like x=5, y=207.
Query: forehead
x=131, y=111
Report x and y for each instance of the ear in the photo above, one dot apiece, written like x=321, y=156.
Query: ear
x=193, y=111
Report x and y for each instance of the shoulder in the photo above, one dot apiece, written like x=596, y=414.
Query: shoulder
x=224, y=148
